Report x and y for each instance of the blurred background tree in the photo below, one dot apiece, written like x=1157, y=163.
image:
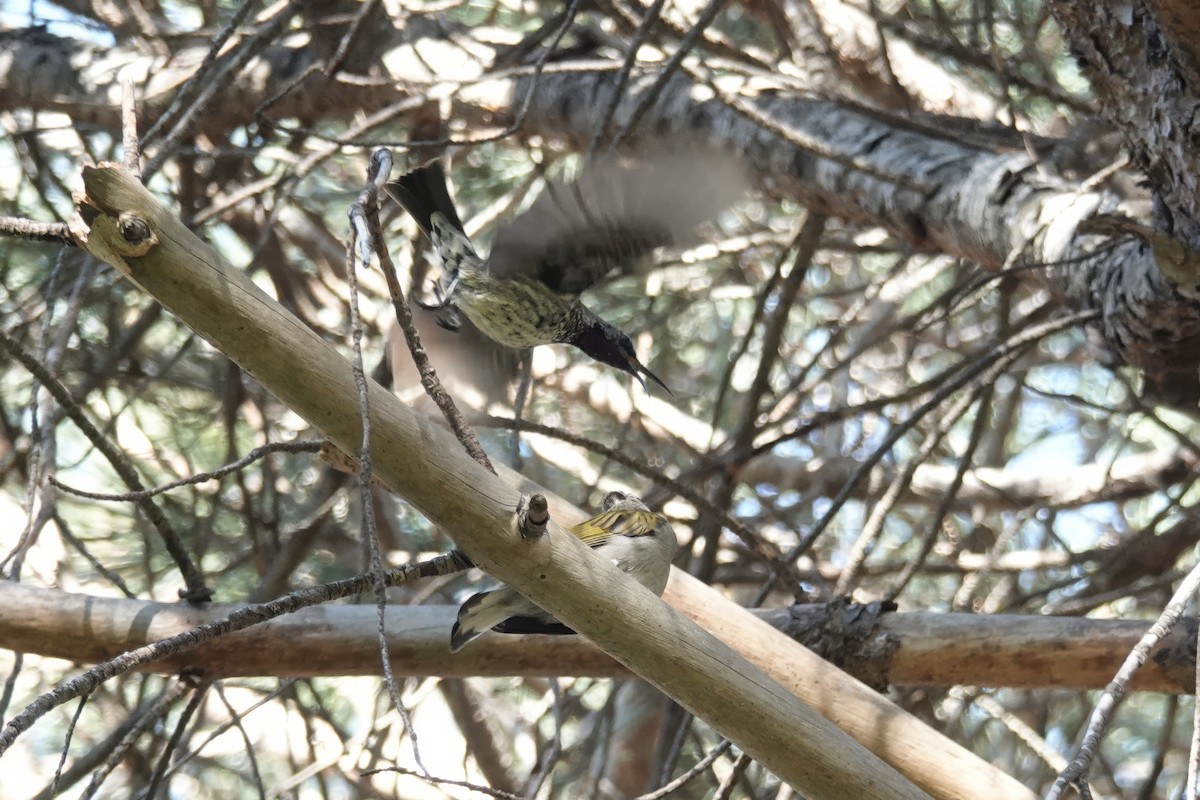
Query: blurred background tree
x=944, y=353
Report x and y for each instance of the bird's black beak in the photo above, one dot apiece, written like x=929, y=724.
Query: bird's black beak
x=637, y=369
x=608, y=345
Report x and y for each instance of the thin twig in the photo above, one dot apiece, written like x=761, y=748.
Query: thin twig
x=369, y=534
x=349, y=38
x=239, y=619
x=364, y=215
x=196, y=591
x=141, y=719
x=306, y=446
x=740, y=765
x=200, y=691
x=66, y=745
x=701, y=766
x=667, y=71
x=635, y=43
x=1117, y=688
x=225, y=73
x=474, y=787
x=235, y=719
x=983, y=369
x=199, y=76
x=37, y=231
x=129, y=136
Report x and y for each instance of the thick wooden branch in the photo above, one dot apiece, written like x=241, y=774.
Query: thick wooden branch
x=121, y=223
x=41, y=71
x=899, y=649
x=990, y=487
x=1143, y=65
x=945, y=185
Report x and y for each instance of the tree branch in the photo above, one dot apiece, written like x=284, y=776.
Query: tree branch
x=900, y=649
x=121, y=223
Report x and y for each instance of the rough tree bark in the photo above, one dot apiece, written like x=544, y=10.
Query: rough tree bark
x=937, y=188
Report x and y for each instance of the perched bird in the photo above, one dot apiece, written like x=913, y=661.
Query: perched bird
x=638, y=541
x=525, y=293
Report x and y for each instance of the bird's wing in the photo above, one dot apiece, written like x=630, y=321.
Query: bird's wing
x=575, y=233
x=618, y=522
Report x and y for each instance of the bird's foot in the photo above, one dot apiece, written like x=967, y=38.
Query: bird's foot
x=449, y=318
x=441, y=299
x=447, y=313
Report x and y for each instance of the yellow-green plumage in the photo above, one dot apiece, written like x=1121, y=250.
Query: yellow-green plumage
x=636, y=539
x=517, y=314
x=524, y=294
x=517, y=311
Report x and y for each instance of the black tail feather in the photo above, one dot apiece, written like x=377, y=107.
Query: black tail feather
x=422, y=192
x=533, y=625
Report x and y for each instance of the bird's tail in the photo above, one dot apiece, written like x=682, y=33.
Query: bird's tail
x=502, y=610
x=423, y=192
x=478, y=615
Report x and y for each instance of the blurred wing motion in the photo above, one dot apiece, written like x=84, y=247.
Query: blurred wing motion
x=611, y=215
x=573, y=235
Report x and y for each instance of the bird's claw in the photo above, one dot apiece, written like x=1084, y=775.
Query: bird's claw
x=441, y=300
x=448, y=295
x=449, y=318
x=442, y=297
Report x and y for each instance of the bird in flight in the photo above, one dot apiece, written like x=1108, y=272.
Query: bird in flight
x=526, y=292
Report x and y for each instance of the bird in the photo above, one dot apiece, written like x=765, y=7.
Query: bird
x=639, y=541
x=526, y=292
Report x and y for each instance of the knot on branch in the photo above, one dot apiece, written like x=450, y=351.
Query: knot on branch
x=533, y=515
x=847, y=634
x=133, y=228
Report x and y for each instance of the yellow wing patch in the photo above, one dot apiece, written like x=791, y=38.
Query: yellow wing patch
x=621, y=522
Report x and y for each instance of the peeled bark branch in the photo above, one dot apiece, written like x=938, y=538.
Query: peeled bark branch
x=933, y=189
x=892, y=649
